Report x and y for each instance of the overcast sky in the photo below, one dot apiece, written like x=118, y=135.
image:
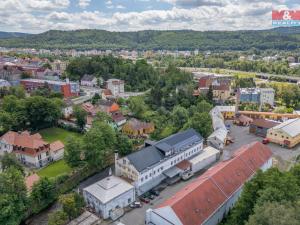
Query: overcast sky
x=37, y=16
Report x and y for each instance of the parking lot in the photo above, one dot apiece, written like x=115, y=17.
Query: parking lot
x=242, y=136
x=283, y=157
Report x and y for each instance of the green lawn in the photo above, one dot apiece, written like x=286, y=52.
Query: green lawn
x=54, y=134
x=54, y=169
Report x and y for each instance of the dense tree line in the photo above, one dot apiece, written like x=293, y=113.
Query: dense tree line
x=31, y=113
x=271, y=197
x=138, y=76
x=280, y=39
x=97, y=146
x=171, y=106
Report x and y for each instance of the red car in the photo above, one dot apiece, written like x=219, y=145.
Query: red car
x=145, y=200
x=265, y=141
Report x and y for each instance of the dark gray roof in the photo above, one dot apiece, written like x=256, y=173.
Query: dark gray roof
x=145, y=157
x=151, y=155
x=87, y=77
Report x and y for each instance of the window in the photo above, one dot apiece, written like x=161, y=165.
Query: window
x=142, y=179
x=129, y=200
x=47, y=153
x=146, y=177
x=39, y=157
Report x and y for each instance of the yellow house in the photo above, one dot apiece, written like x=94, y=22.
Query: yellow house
x=135, y=127
x=221, y=92
x=286, y=134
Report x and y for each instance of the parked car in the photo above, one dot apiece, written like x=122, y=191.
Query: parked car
x=187, y=175
x=145, y=200
x=135, y=205
x=265, y=141
x=154, y=192
x=151, y=197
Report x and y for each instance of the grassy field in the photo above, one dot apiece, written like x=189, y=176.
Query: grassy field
x=54, y=169
x=54, y=134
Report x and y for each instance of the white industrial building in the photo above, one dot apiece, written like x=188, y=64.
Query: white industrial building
x=205, y=159
x=218, y=138
x=109, y=196
x=210, y=197
x=151, y=165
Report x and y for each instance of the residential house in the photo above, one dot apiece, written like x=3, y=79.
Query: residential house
x=285, y=134
x=134, y=127
x=91, y=109
x=109, y=196
x=107, y=94
x=31, y=150
x=221, y=92
x=260, y=127
x=66, y=88
x=209, y=198
x=57, y=150
x=88, y=80
x=108, y=106
x=116, y=86
x=151, y=165
x=118, y=118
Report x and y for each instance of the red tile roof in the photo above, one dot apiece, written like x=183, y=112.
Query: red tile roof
x=24, y=139
x=56, y=146
x=196, y=202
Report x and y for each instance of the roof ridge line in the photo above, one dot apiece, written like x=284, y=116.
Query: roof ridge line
x=215, y=183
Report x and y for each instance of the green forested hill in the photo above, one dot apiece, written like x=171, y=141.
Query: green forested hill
x=281, y=39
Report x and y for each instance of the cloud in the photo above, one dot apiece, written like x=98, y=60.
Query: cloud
x=39, y=15
x=84, y=3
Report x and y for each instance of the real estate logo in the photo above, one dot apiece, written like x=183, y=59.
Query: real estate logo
x=285, y=18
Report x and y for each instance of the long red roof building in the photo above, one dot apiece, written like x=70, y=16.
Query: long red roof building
x=209, y=197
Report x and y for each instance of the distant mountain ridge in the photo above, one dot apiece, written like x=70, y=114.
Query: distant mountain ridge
x=278, y=38
x=11, y=34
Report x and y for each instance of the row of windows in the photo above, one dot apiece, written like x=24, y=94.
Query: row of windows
x=150, y=174
x=281, y=136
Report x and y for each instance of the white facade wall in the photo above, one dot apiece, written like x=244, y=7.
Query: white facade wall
x=68, y=111
x=158, y=169
x=5, y=148
x=125, y=168
x=204, y=163
x=57, y=155
x=37, y=161
x=89, y=83
x=104, y=209
x=267, y=95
